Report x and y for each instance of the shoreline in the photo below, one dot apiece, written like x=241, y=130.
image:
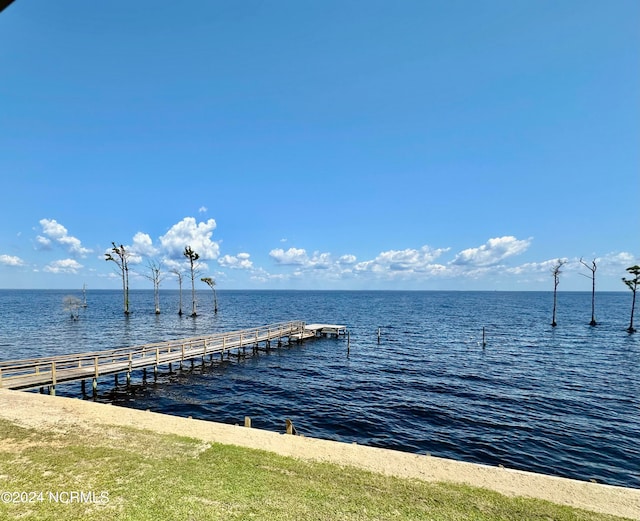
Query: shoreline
x=43, y=411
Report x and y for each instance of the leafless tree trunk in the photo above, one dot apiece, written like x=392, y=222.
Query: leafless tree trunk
x=121, y=259
x=72, y=305
x=555, y=271
x=156, y=278
x=178, y=274
x=592, y=268
x=193, y=258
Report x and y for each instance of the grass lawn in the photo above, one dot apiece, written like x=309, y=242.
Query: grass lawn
x=140, y=475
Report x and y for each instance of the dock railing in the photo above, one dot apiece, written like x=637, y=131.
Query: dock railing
x=51, y=370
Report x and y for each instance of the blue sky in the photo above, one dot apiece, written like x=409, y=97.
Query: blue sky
x=320, y=145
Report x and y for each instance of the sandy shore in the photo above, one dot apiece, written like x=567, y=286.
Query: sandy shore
x=42, y=411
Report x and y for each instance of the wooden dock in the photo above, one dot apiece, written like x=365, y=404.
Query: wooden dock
x=49, y=371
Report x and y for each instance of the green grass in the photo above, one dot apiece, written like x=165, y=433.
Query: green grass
x=155, y=477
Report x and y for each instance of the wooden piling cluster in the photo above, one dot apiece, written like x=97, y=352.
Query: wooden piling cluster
x=49, y=371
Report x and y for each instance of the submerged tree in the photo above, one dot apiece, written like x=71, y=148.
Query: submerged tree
x=555, y=271
x=212, y=284
x=592, y=268
x=632, y=284
x=156, y=278
x=193, y=258
x=121, y=259
x=178, y=274
x=72, y=305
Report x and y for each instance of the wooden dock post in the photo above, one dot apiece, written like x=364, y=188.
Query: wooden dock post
x=348, y=342
x=378, y=335
x=83, y=387
x=52, y=389
x=484, y=342
x=290, y=428
x=247, y=421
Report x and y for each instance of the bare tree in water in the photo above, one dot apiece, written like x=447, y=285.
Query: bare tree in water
x=72, y=305
x=155, y=276
x=592, y=268
x=212, y=284
x=178, y=274
x=121, y=259
x=193, y=266
x=632, y=284
x=555, y=271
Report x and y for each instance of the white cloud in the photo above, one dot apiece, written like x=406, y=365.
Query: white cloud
x=532, y=268
x=261, y=275
x=347, y=259
x=190, y=233
x=389, y=264
x=202, y=209
x=63, y=266
x=11, y=260
x=616, y=263
x=54, y=232
x=43, y=242
x=492, y=252
x=240, y=261
x=299, y=257
x=293, y=256
x=405, y=261
x=143, y=245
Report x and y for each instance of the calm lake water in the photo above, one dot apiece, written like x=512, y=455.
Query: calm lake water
x=562, y=401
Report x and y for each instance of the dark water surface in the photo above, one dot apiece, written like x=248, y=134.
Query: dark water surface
x=563, y=401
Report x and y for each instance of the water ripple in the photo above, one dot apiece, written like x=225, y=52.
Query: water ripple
x=562, y=401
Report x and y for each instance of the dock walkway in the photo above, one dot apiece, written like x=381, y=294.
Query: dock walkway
x=49, y=371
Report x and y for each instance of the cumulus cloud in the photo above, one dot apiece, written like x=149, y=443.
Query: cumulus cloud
x=299, y=257
x=492, y=252
x=188, y=232
x=614, y=263
x=389, y=264
x=202, y=209
x=11, y=260
x=63, y=266
x=240, y=261
x=532, y=267
x=262, y=275
x=293, y=256
x=143, y=245
x=347, y=259
x=55, y=233
x=409, y=260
